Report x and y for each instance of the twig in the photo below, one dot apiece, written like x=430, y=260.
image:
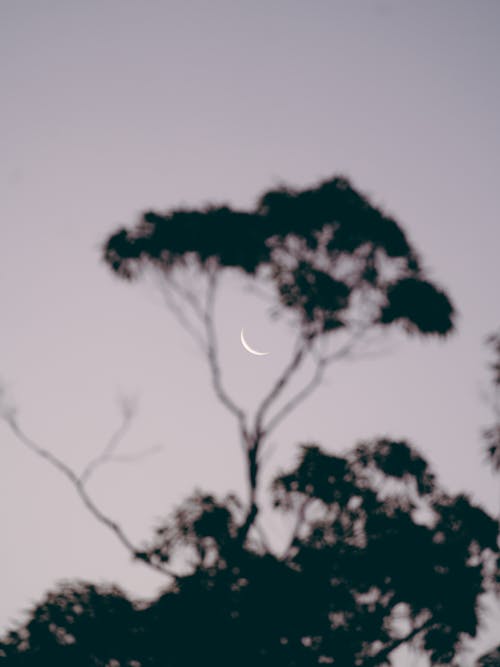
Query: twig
x=178, y=313
x=298, y=398
x=107, y=452
x=278, y=387
x=188, y=296
x=213, y=360
x=79, y=486
x=136, y=456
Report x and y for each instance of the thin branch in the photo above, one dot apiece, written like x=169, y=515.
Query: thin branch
x=381, y=657
x=267, y=454
x=178, y=313
x=137, y=456
x=110, y=448
x=260, y=292
x=40, y=451
x=345, y=349
x=79, y=486
x=321, y=364
x=260, y=432
x=213, y=359
x=298, y=398
x=278, y=387
x=188, y=296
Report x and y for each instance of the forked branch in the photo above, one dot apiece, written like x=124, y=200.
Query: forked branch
x=213, y=359
x=108, y=451
x=322, y=362
x=280, y=384
x=79, y=483
x=183, y=320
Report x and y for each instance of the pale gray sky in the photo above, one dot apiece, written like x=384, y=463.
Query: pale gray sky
x=113, y=107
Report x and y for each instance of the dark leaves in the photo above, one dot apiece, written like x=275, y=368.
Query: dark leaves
x=420, y=306
x=491, y=435
x=323, y=248
x=380, y=548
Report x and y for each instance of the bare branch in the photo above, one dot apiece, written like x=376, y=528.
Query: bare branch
x=260, y=432
x=260, y=291
x=40, y=451
x=300, y=396
x=280, y=384
x=79, y=486
x=321, y=364
x=213, y=359
x=137, y=456
x=189, y=297
x=178, y=313
x=267, y=454
x=347, y=348
x=110, y=448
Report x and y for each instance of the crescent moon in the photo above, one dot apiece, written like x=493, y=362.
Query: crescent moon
x=248, y=348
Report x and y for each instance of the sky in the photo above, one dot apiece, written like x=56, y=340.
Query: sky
x=111, y=108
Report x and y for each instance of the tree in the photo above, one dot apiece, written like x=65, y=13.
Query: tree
x=491, y=659
x=491, y=435
x=339, y=268
x=379, y=556
x=336, y=264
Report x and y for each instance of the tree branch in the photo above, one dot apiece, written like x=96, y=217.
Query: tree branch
x=184, y=321
x=278, y=387
x=188, y=296
x=321, y=364
x=298, y=398
x=79, y=485
x=213, y=359
x=110, y=448
x=380, y=657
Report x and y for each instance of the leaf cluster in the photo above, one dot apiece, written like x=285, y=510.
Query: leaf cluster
x=331, y=256
x=380, y=555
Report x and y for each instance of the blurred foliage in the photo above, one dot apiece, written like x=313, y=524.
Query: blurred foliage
x=378, y=554
x=490, y=659
x=492, y=434
x=331, y=256
x=379, y=551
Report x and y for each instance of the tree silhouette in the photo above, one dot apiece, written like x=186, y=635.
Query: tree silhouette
x=378, y=555
x=336, y=265
x=491, y=659
x=491, y=437
x=492, y=434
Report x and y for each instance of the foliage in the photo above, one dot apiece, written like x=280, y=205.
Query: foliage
x=492, y=434
x=379, y=555
x=490, y=659
x=331, y=256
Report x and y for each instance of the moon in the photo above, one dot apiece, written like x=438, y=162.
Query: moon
x=250, y=349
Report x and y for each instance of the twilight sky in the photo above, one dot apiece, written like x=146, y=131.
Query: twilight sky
x=113, y=107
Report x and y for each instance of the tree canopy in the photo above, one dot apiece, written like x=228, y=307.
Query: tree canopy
x=492, y=434
x=331, y=256
x=379, y=556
